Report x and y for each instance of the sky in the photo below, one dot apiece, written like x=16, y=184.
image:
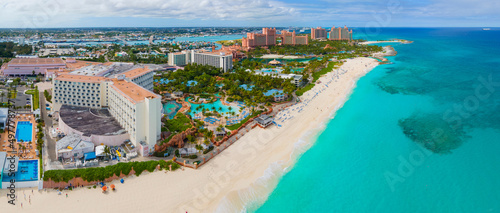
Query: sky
x=248, y=13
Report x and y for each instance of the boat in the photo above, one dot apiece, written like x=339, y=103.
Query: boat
x=486, y=29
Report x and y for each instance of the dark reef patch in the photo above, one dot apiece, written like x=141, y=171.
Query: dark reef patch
x=433, y=133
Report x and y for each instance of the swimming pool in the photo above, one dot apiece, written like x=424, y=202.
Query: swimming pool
x=27, y=170
x=171, y=108
x=24, y=131
x=196, y=108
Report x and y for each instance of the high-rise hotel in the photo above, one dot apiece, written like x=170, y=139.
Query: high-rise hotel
x=127, y=97
x=340, y=33
x=318, y=33
x=268, y=38
x=217, y=58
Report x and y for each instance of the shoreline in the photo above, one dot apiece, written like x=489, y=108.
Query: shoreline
x=402, y=41
x=221, y=183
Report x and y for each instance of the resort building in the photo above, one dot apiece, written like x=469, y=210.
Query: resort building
x=266, y=38
x=30, y=66
x=178, y=59
x=290, y=38
x=264, y=121
x=141, y=76
x=340, y=33
x=219, y=59
x=135, y=109
x=278, y=95
x=73, y=147
x=318, y=33
x=296, y=79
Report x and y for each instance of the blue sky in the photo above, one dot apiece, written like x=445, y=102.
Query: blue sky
x=280, y=13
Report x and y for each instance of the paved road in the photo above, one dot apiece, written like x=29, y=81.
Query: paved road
x=50, y=143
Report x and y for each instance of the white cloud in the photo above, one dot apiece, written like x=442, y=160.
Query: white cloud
x=53, y=12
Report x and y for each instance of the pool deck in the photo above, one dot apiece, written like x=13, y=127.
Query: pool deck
x=30, y=152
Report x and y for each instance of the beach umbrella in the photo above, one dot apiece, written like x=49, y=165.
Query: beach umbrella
x=121, y=181
x=112, y=186
x=104, y=188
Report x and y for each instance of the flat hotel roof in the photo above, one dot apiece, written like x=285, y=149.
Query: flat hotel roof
x=133, y=92
x=80, y=78
x=37, y=61
x=136, y=72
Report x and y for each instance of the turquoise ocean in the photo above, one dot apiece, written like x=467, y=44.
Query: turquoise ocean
x=419, y=135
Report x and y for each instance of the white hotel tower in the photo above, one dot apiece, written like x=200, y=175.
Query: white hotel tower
x=127, y=98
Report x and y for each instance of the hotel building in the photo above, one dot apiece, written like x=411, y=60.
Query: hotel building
x=127, y=98
x=178, y=59
x=318, y=33
x=290, y=38
x=340, y=33
x=26, y=66
x=217, y=58
x=266, y=38
x=141, y=76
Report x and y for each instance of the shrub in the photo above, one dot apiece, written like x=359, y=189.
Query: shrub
x=208, y=150
x=101, y=173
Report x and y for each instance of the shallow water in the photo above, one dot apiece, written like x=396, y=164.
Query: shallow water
x=373, y=156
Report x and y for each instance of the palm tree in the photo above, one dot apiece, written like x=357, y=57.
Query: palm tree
x=107, y=151
x=229, y=108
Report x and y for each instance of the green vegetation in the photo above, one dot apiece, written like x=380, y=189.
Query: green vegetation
x=302, y=90
x=39, y=143
x=48, y=97
x=236, y=126
x=317, y=75
x=190, y=156
x=101, y=173
x=177, y=125
x=229, y=42
x=208, y=149
x=8, y=49
x=36, y=97
x=180, y=123
x=316, y=47
x=12, y=94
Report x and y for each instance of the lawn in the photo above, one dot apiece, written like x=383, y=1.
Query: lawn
x=36, y=97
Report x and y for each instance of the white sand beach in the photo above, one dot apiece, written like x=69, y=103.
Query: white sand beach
x=271, y=56
x=390, y=41
x=247, y=170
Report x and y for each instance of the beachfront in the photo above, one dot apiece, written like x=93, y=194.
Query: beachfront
x=245, y=171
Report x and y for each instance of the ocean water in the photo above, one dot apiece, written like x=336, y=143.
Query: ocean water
x=419, y=135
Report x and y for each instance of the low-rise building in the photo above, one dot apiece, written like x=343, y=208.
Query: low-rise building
x=264, y=121
x=30, y=66
x=73, y=147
